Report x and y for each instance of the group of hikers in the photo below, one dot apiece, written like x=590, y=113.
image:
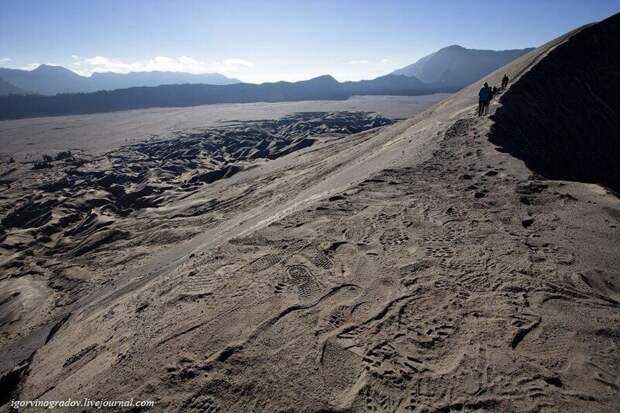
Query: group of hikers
x=486, y=94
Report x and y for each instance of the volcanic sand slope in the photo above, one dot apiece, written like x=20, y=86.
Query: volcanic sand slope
x=414, y=268
x=572, y=107
x=74, y=221
x=80, y=222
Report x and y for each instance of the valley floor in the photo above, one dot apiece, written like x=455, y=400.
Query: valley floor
x=29, y=139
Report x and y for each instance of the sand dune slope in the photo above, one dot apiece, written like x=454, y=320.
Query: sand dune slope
x=411, y=268
x=572, y=104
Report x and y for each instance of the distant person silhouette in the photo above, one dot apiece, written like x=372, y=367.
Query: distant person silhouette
x=505, y=81
x=484, y=98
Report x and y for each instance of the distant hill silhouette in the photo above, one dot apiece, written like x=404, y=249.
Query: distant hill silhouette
x=446, y=70
x=455, y=66
x=46, y=80
x=320, y=88
x=111, y=81
x=390, y=85
x=50, y=80
x=7, y=88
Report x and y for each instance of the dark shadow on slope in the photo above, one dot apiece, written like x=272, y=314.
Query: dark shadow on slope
x=562, y=118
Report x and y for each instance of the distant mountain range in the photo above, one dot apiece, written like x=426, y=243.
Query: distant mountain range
x=50, y=80
x=457, y=67
x=320, y=88
x=446, y=70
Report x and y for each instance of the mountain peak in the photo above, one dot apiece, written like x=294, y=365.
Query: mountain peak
x=51, y=68
x=456, y=66
x=453, y=47
x=324, y=78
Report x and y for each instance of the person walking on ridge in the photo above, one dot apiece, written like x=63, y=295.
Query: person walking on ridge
x=484, y=98
x=505, y=81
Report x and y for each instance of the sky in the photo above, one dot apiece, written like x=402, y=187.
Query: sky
x=259, y=41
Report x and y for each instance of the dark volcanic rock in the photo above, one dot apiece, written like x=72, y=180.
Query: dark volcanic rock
x=210, y=177
x=29, y=215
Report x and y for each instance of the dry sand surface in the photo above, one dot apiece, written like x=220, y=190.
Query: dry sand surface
x=411, y=267
x=29, y=139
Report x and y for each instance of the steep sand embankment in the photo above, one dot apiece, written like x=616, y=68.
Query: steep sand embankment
x=563, y=116
x=416, y=268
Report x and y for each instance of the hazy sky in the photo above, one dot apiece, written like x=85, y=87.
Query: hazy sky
x=269, y=40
